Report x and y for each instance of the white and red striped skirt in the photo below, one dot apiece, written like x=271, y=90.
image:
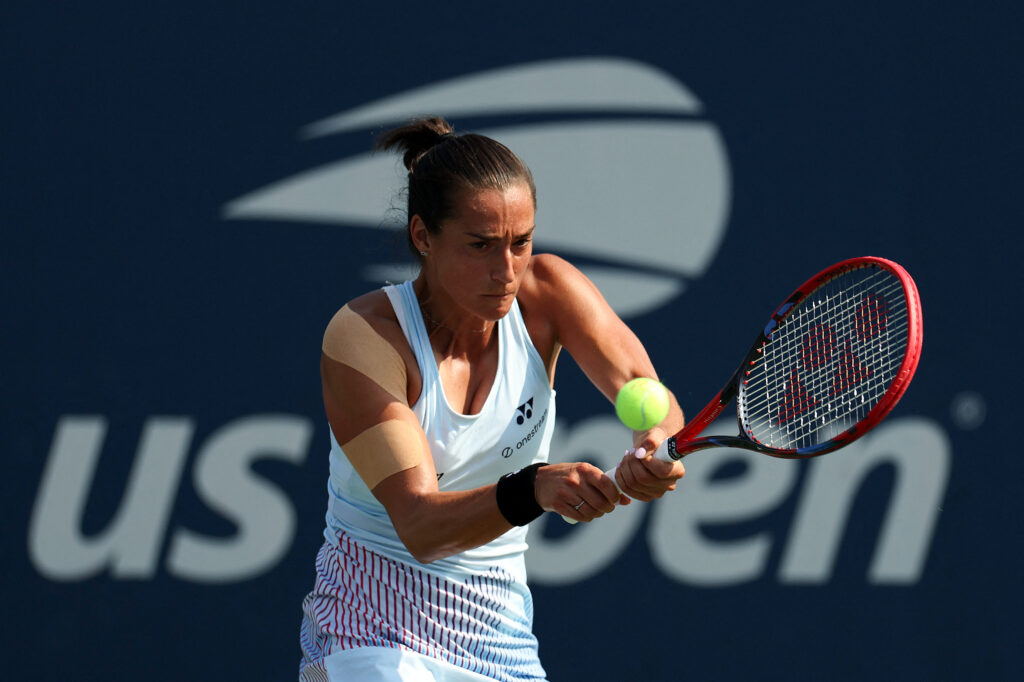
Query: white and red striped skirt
x=368, y=609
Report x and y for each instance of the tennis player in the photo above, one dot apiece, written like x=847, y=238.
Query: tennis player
x=439, y=396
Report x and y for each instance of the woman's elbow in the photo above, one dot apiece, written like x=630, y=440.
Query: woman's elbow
x=423, y=544
x=421, y=548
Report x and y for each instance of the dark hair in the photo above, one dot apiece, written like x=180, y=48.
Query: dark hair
x=442, y=164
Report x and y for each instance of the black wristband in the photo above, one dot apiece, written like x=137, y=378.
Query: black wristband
x=516, y=499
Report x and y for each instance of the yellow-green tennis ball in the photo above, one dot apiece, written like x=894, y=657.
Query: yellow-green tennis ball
x=642, y=404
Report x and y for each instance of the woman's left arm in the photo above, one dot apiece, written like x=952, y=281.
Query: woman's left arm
x=567, y=309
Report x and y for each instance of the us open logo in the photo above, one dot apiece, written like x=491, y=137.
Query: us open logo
x=633, y=180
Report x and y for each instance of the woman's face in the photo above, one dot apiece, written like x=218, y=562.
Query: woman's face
x=480, y=254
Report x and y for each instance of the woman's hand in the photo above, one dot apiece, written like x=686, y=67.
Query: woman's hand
x=644, y=477
x=576, y=490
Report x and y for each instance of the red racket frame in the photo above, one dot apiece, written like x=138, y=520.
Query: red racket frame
x=686, y=440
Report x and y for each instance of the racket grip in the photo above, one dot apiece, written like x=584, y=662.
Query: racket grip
x=661, y=453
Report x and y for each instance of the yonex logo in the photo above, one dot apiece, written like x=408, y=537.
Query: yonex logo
x=524, y=412
x=837, y=349
x=633, y=179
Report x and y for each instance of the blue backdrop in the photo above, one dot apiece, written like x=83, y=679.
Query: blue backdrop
x=189, y=196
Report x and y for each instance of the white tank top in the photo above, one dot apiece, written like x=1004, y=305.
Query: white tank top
x=512, y=430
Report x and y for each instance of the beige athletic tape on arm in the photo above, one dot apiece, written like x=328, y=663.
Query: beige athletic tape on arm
x=384, y=449
x=351, y=340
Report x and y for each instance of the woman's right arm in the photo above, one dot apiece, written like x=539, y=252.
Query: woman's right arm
x=366, y=371
x=394, y=460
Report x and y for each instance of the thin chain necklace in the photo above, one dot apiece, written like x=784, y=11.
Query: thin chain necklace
x=440, y=324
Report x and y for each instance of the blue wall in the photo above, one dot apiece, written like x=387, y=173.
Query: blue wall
x=183, y=211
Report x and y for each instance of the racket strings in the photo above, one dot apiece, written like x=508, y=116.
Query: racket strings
x=828, y=362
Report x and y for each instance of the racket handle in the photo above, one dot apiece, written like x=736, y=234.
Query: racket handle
x=661, y=453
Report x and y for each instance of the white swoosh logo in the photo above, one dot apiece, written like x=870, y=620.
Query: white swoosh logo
x=647, y=199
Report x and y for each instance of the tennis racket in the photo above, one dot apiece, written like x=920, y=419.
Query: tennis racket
x=830, y=364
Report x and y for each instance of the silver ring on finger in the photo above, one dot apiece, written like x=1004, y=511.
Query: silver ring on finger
x=577, y=507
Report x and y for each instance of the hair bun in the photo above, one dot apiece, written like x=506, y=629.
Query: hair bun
x=416, y=138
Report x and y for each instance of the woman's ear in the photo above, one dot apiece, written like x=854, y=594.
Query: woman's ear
x=420, y=235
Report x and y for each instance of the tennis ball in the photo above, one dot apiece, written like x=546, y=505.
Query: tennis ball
x=642, y=404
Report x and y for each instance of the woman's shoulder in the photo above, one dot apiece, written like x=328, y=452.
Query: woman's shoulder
x=547, y=265
x=547, y=273
x=552, y=281
x=373, y=310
